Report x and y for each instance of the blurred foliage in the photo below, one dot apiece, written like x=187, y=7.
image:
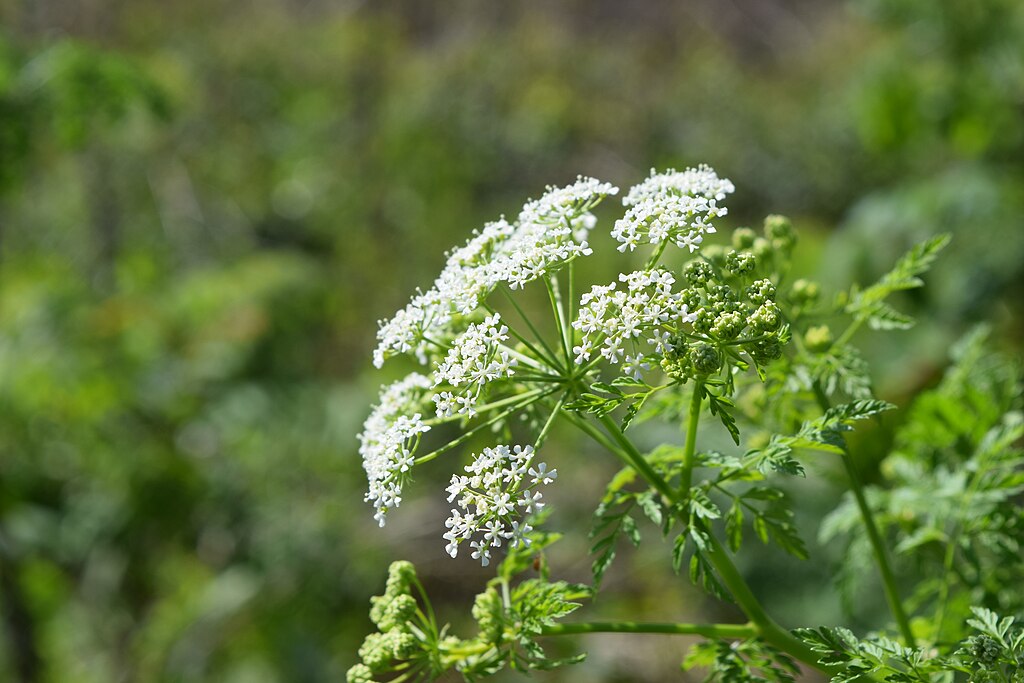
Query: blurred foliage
x=203, y=207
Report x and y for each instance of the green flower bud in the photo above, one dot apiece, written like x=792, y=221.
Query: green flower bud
x=722, y=293
x=740, y=262
x=401, y=575
x=805, y=291
x=403, y=607
x=705, y=358
x=722, y=299
x=691, y=298
x=676, y=368
x=403, y=645
x=766, y=318
x=765, y=350
x=705, y=318
x=728, y=326
x=698, y=273
x=360, y=673
x=779, y=230
x=376, y=652
x=743, y=238
x=396, y=612
x=985, y=649
x=818, y=338
x=488, y=612
x=761, y=248
x=760, y=291
x=379, y=609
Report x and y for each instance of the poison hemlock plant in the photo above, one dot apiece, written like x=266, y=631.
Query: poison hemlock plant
x=728, y=335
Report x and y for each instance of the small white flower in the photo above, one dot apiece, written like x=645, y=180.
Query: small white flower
x=458, y=485
x=489, y=507
x=672, y=206
x=531, y=503
x=481, y=552
x=474, y=360
x=549, y=232
x=635, y=366
x=619, y=320
x=494, y=532
x=583, y=352
x=388, y=442
x=542, y=475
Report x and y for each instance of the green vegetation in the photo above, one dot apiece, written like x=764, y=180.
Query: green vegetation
x=204, y=208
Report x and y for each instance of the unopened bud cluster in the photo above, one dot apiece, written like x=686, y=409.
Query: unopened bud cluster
x=393, y=614
x=733, y=303
x=488, y=610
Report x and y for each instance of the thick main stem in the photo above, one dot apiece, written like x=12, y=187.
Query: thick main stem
x=764, y=625
x=690, y=450
x=878, y=548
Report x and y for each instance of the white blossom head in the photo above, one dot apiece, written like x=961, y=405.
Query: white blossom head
x=626, y=325
x=550, y=232
x=675, y=206
x=475, y=359
x=495, y=499
x=389, y=439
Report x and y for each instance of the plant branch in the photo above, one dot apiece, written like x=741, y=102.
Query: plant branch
x=878, y=548
x=766, y=627
x=551, y=357
x=731, y=631
x=559, y=312
x=686, y=474
x=490, y=406
x=465, y=436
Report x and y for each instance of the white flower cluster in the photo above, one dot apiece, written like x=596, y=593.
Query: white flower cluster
x=550, y=231
x=672, y=206
x=473, y=360
x=614, y=319
x=494, y=501
x=389, y=439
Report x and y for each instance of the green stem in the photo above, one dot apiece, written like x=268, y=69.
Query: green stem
x=878, y=548
x=551, y=357
x=551, y=419
x=592, y=431
x=731, y=631
x=489, y=406
x=848, y=332
x=523, y=358
x=559, y=313
x=536, y=396
x=431, y=620
x=765, y=626
x=570, y=303
x=526, y=342
x=690, y=450
x=881, y=555
x=653, y=261
x=550, y=379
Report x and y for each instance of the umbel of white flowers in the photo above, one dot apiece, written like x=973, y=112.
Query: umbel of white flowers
x=550, y=231
x=471, y=357
x=488, y=500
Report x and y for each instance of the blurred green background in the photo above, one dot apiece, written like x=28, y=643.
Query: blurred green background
x=205, y=207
